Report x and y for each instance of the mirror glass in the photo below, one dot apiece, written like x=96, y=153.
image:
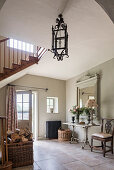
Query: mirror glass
x=86, y=89
x=85, y=94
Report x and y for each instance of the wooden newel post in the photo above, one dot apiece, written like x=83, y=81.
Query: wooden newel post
x=2, y=142
x=6, y=140
x=4, y=147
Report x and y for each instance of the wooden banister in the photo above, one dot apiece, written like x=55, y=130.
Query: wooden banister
x=14, y=58
x=6, y=39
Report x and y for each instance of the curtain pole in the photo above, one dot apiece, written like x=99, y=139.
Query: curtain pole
x=39, y=88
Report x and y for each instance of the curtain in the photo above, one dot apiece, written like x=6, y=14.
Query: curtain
x=11, y=108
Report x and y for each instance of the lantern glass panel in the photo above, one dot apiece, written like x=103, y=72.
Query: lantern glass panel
x=61, y=43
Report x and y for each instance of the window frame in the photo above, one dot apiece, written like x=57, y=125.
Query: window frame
x=22, y=93
x=49, y=98
x=20, y=45
x=55, y=105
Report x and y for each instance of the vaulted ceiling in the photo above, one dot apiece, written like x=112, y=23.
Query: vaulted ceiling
x=2, y=3
x=91, y=32
x=108, y=6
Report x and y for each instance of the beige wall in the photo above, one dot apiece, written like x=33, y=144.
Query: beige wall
x=57, y=88
x=106, y=93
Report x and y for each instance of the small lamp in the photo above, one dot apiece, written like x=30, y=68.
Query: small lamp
x=91, y=103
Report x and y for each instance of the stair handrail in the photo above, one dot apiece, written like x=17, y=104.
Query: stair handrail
x=4, y=40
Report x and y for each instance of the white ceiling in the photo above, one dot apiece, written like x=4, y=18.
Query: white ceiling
x=91, y=33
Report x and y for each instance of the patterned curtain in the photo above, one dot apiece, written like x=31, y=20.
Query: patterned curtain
x=11, y=108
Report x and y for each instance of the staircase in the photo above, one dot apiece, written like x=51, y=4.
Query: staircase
x=13, y=60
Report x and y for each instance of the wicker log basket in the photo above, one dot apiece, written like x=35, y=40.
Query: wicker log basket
x=21, y=154
x=20, y=147
x=64, y=135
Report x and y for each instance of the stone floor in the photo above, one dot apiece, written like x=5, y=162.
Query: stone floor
x=54, y=155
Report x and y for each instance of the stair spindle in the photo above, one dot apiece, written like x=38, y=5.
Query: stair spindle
x=21, y=50
x=37, y=51
x=13, y=51
x=8, y=55
x=0, y=57
x=25, y=52
x=17, y=52
x=4, y=54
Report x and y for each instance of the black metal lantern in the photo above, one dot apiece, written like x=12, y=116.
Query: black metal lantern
x=60, y=39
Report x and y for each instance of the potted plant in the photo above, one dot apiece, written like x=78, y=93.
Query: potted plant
x=77, y=111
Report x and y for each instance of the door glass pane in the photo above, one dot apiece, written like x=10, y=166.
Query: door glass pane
x=25, y=97
x=51, y=106
x=25, y=115
x=25, y=111
x=19, y=115
x=51, y=101
x=19, y=107
x=19, y=97
x=25, y=107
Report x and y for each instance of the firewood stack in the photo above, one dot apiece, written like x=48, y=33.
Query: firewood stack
x=20, y=135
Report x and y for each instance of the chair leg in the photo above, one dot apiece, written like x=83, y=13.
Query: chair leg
x=91, y=144
x=104, y=148
x=112, y=145
x=102, y=145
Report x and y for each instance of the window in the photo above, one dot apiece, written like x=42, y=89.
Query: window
x=20, y=45
x=52, y=105
x=23, y=106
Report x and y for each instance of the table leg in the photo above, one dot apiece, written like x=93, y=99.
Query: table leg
x=86, y=142
x=73, y=139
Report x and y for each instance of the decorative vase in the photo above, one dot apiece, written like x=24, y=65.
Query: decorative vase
x=77, y=118
x=73, y=119
x=51, y=110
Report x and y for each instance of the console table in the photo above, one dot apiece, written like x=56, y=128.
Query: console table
x=85, y=126
x=73, y=138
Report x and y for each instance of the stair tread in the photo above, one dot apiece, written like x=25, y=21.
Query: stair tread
x=15, y=66
x=1, y=74
x=18, y=67
x=7, y=68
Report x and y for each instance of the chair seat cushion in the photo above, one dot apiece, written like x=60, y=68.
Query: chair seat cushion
x=102, y=135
